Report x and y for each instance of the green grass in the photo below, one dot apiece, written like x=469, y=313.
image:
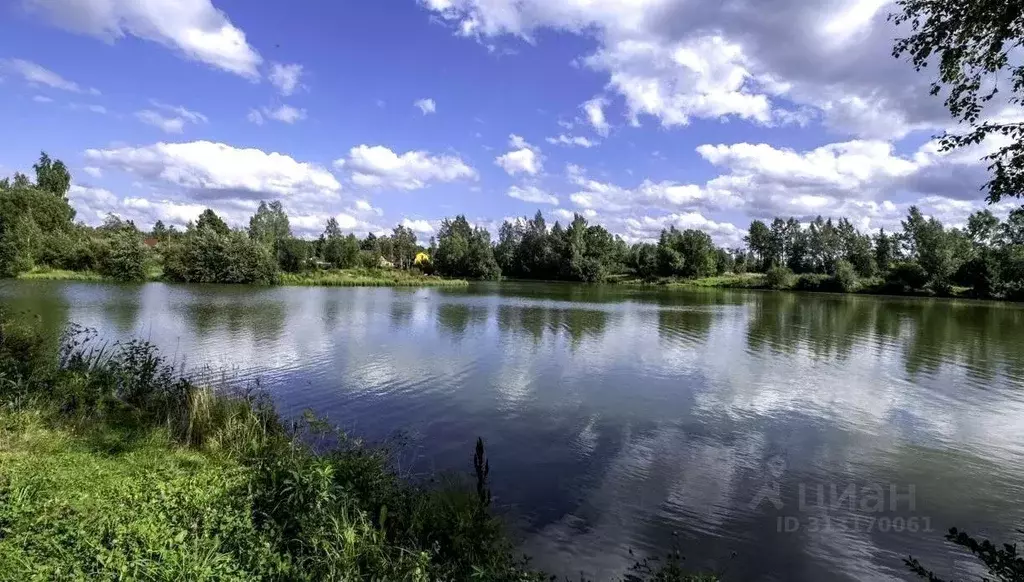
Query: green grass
x=332, y=278
x=47, y=274
x=113, y=467
x=368, y=278
x=154, y=273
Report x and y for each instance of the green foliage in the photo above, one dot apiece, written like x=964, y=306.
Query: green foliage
x=20, y=239
x=972, y=44
x=49, y=212
x=368, y=277
x=209, y=220
x=759, y=241
x=368, y=260
x=269, y=225
x=464, y=251
x=203, y=255
x=931, y=246
x=292, y=254
x=1004, y=563
x=339, y=251
x=643, y=260
x=845, y=277
x=52, y=176
x=125, y=259
x=885, y=250
x=21, y=181
x=403, y=247
x=724, y=262
x=778, y=278
x=906, y=276
x=689, y=253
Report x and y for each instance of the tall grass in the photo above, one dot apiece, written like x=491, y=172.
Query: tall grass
x=114, y=466
x=48, y=274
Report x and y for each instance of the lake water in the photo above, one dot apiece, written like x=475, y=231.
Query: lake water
x=772, y=436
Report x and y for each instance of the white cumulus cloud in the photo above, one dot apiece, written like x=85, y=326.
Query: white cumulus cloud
x=379, y=167
x=427, y=106
x=285, y=77
x=195, y=28
x=210, y=170
x=523, y=158
x=532, y=194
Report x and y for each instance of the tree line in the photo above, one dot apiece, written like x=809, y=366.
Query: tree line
x=986, y=257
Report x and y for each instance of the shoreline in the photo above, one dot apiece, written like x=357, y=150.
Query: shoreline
x=121, y=477
x=334, y=278
x=401, y=279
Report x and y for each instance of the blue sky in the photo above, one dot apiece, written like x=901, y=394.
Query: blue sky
x=637, y=113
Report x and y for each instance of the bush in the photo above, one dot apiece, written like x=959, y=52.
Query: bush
x=341, y=252
x=814, y=282
x=292, y=254
x=126, y=258
x=778, y=278
x=205, y=256
x=368, y=260
x=19, y=243
x=906, y=276
x=845, y=278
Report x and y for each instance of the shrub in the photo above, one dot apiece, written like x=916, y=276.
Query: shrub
x=778, y=278
x=814, y=282
x=126, y=258
x=907, y=276
x=368, y=260
x=206, y=256
x=292, y=254
x=845, y=278
x=19, y=241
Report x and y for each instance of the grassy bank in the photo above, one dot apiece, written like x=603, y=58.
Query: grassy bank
x=113, y=467
x=47, y=274
x=369, y=278
x=805, y=283
x=327, y=278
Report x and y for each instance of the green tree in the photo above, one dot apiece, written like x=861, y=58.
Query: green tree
x=505, y=252
x=160, y=231
x=972, y=44
x=464, y=251
x=931, y=246
x=983, y=227
x=339, y=251
x=724, y=262
x=202, y=255
x=269, y=225
x=209, y=220
x=21, y=181
x=643, y=259
x=885, y=250
x=52, y=176
x=293, y=254
x=758, y=239
x=403, y=246
x=125, y=259
x=20, y=237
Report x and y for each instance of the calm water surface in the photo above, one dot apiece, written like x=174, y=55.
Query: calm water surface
x=631, y=419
